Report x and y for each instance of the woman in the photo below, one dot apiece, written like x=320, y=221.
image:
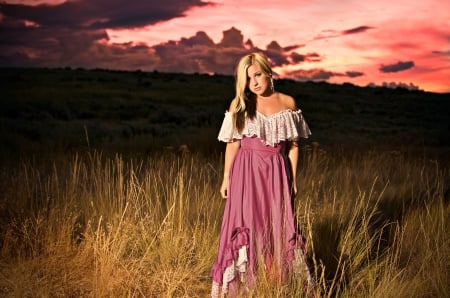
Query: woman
x=262, y=129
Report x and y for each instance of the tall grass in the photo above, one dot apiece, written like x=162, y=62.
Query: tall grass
x=90, y=225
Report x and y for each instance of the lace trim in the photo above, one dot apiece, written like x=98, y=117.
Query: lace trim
x=238, y=265
x=286, y=125
x=299, y=266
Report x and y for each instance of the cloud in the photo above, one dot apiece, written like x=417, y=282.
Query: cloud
x=356, y=30
x=63, y=34
x=232, y=38
x=353, y=74
x=201, y=38
x=201, y=54
x=40, y=36
x=93, y=13
x=277, y=54
x=319, y=74
x=316, y=74
x=334, y=33
x=70, y=35
x=442, y=53
x=45, y=46
x=293, y=47
x=296, y=58
x=399, y=66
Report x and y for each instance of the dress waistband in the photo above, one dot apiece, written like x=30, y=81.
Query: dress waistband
x=254, y=143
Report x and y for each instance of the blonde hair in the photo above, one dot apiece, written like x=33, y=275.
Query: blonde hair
x=245, y=101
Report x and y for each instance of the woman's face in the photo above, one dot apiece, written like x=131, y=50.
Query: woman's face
x=257, y=81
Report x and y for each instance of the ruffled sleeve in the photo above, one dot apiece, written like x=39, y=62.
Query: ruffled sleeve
x=301, y=125
x=227, y=131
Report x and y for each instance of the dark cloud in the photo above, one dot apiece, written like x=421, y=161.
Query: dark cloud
x=276, y=54
x=297, y=58
x=314, y=57
x=201, y=38
x=293, y=47
x=442, y=53
x=310, y=57
x=315, y=74
x=46, y=46
x=73, y=34
x=101, y=14
x=334, y=33
x=356, y=30
x=354, y=74
x=200, y=54
x=399, y=66
x=16, y=59
x=118, y=56
x=232, y=38
x=249, y=44
x=63, y=34
x=319, y=74
x=274, y=46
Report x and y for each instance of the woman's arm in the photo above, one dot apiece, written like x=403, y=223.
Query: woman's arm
x=293, y=154
x=230, y=153
x=292, y=148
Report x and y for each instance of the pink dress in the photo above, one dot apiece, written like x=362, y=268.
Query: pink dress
x=258, y=224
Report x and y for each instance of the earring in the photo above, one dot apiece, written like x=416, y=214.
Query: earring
x=271, y=85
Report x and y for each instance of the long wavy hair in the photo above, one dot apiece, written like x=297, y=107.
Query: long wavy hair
x=245, y=103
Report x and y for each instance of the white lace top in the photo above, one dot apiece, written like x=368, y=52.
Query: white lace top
x=286, y=125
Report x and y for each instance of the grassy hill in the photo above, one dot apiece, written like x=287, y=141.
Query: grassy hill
x=134, y=219
x=68, y=109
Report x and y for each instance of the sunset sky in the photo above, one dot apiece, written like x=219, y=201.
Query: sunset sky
x=396, y=42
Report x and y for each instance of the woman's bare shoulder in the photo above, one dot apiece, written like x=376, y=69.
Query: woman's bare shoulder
x=288, y=101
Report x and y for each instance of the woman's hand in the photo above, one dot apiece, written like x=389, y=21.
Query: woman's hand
x=294, y=189
x=224, y=187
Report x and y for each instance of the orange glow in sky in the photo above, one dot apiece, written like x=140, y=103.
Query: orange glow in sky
x=416, y=31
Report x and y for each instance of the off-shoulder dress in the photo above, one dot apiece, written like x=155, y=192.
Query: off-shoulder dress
x=258, y=225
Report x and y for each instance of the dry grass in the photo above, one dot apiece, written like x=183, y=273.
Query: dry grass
x=375, y=222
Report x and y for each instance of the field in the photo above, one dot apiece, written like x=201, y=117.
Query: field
x=98, y=200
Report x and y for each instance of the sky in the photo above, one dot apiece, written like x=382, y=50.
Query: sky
x=393, y=43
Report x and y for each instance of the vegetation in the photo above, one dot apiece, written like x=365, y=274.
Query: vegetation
x=97, y=200
x=60, y=110
x=85, y=225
